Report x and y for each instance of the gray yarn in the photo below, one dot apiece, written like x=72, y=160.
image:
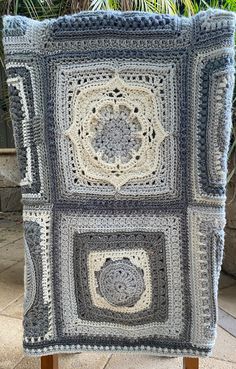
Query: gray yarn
x=122, y=123
x=120, y=282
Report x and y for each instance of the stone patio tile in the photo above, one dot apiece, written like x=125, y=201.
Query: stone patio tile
x=13, y=275
x=227, y=322
x=15, y=309
x=14, y=251
x=11, y=284
x=5, y=264
x=210, y=363
x=11, y=228
x=8, y=294
x=11, y=199
x=143, y=361
x=9, y=237
x=29, y=363
x=226, y=281
x=227, y=300
x=225, y=346
x=14, y=218
x=11, y=342
x=9, y=223
x=86, y=360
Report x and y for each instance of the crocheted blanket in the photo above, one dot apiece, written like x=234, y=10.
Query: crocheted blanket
x=122, y=125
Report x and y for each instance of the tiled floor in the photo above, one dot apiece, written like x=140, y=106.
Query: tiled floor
x=11, y=298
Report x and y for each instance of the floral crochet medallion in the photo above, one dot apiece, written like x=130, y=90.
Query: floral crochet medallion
x=122, y=124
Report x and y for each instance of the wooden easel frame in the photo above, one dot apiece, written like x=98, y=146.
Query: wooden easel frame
x=190, y=363
x=51, y=362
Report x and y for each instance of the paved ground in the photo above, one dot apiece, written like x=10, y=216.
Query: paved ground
x=11, y=298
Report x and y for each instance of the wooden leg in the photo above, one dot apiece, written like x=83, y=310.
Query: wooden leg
x=49, y=362
x=190, y=363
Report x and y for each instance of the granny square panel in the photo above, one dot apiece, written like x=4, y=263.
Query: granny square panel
x=122, y=125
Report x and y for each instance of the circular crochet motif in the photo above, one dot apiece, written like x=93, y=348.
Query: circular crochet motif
x=120, y=282
x=116, y=134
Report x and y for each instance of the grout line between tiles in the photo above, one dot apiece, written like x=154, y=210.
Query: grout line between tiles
x=226, y=361
x=12, y=302
x=18, y=362
x=226, y=312
x=15, y=262
x=9, y=316
x=227, y=332
x=231, y=285
x=225, y=288
x=21, y=238
x=108, y=360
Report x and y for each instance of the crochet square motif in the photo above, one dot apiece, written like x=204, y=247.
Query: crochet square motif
x=122, y=125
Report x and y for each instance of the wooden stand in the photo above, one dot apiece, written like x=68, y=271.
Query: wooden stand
x=51, y=362
x=190, y=363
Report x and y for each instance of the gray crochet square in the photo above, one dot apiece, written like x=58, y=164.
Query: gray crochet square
x=152, y=243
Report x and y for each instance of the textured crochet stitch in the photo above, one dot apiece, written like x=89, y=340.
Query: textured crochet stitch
x=122, y=124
